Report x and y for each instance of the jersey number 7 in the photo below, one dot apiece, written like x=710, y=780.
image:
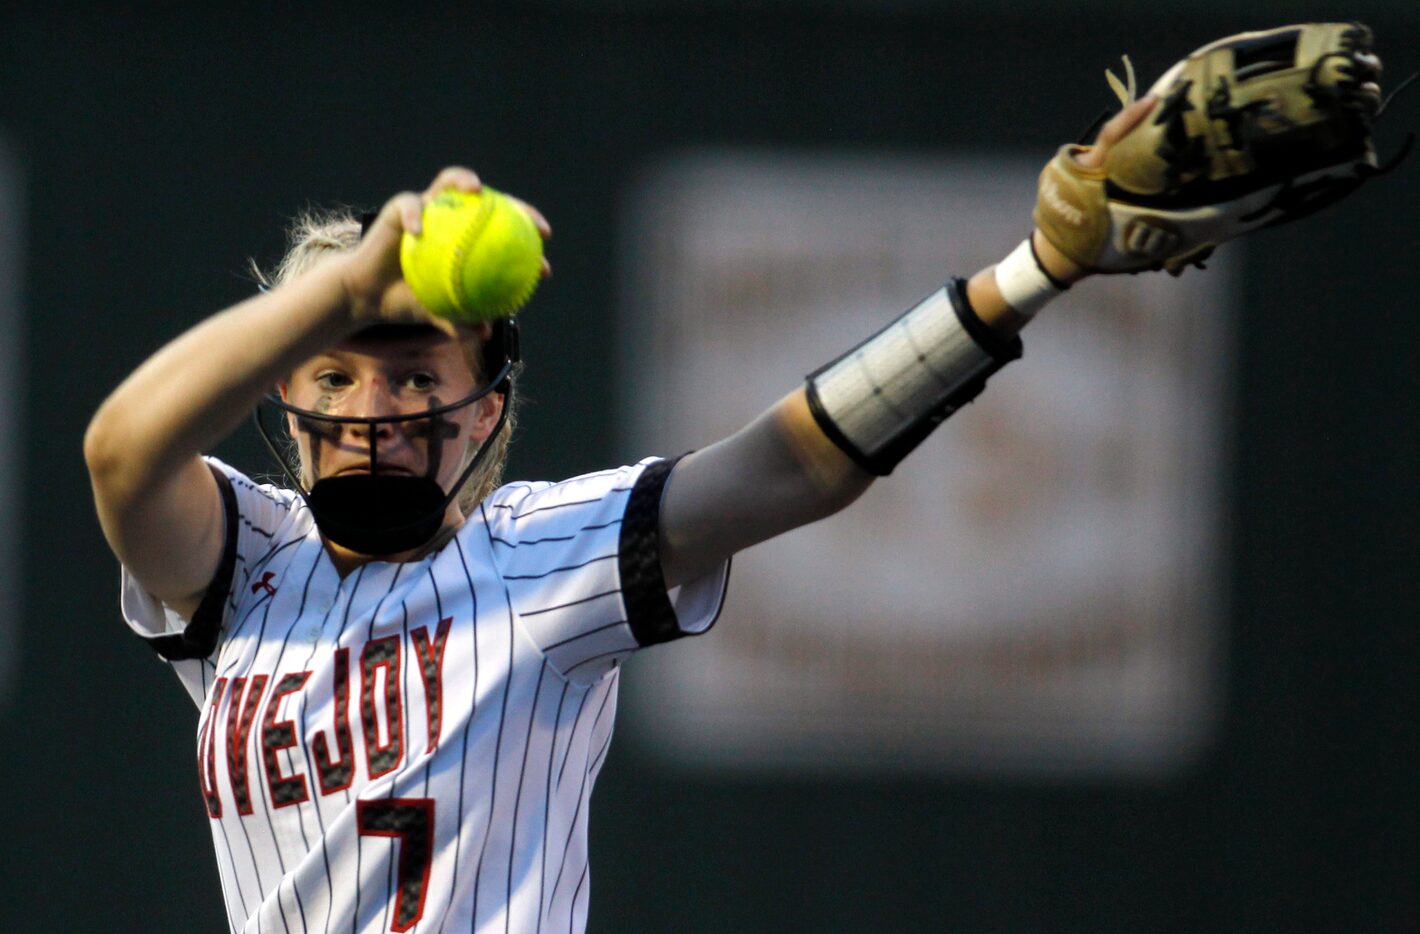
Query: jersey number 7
x=411, y=820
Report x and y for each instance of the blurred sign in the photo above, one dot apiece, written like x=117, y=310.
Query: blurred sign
x=1037, y=589
x=11, y=398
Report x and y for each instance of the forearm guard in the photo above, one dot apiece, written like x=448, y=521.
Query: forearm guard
x=880, y=399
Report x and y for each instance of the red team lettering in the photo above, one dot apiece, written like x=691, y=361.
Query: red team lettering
x=336, y=775
x=207, y=753
x=431, y=669
x=277, y=735
x=381, y=656
x=381, y=715
x=240, y=716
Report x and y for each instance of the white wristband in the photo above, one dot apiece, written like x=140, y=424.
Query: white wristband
x=1023, y=284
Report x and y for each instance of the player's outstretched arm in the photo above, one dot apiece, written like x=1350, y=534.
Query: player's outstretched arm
x=1291, y=112
x=157, y=501
x=784, y=470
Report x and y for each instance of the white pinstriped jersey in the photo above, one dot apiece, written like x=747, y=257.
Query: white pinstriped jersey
x=413, y=748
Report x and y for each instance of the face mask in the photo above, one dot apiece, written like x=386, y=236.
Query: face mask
x=380, y=513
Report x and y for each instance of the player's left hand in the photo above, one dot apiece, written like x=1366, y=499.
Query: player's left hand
x=1096, y=155
x=1253, y=130
x=1092, y=159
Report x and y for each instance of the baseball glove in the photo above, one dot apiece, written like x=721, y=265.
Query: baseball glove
x=1251, y=131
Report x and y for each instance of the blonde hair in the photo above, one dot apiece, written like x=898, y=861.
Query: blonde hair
x=319, y=233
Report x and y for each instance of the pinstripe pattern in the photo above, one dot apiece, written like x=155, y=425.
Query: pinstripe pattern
x=537, y=629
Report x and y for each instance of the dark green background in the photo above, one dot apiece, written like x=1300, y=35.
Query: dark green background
x=161, y=147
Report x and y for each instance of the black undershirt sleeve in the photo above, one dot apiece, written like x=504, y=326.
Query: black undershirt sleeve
x=643, y=586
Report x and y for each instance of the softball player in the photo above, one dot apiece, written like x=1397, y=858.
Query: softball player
x=407, y=674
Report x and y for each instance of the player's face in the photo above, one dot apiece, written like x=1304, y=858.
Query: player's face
x=381, y=376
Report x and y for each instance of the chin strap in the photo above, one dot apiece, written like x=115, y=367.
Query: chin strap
x=382, y=514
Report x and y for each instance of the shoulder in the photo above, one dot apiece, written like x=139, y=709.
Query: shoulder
x=523, y=499
x=262, y=518
x=543, y=513
x=246, y=488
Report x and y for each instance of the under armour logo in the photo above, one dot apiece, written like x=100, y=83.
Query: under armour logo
x=265, y=583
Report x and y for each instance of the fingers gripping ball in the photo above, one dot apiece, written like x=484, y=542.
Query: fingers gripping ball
x=1253, y=130
x=479, y=256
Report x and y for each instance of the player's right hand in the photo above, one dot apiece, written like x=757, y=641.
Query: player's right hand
x=373, y=281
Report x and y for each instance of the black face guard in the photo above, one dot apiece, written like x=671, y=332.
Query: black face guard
x=386, y=513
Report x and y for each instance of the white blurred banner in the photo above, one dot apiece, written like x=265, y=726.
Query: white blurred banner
x=1037, y=589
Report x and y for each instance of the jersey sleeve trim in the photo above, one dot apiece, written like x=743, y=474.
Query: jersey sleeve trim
x=199, y=638
x=651, y=613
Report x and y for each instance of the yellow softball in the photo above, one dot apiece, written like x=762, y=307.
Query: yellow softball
x=479, y=256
